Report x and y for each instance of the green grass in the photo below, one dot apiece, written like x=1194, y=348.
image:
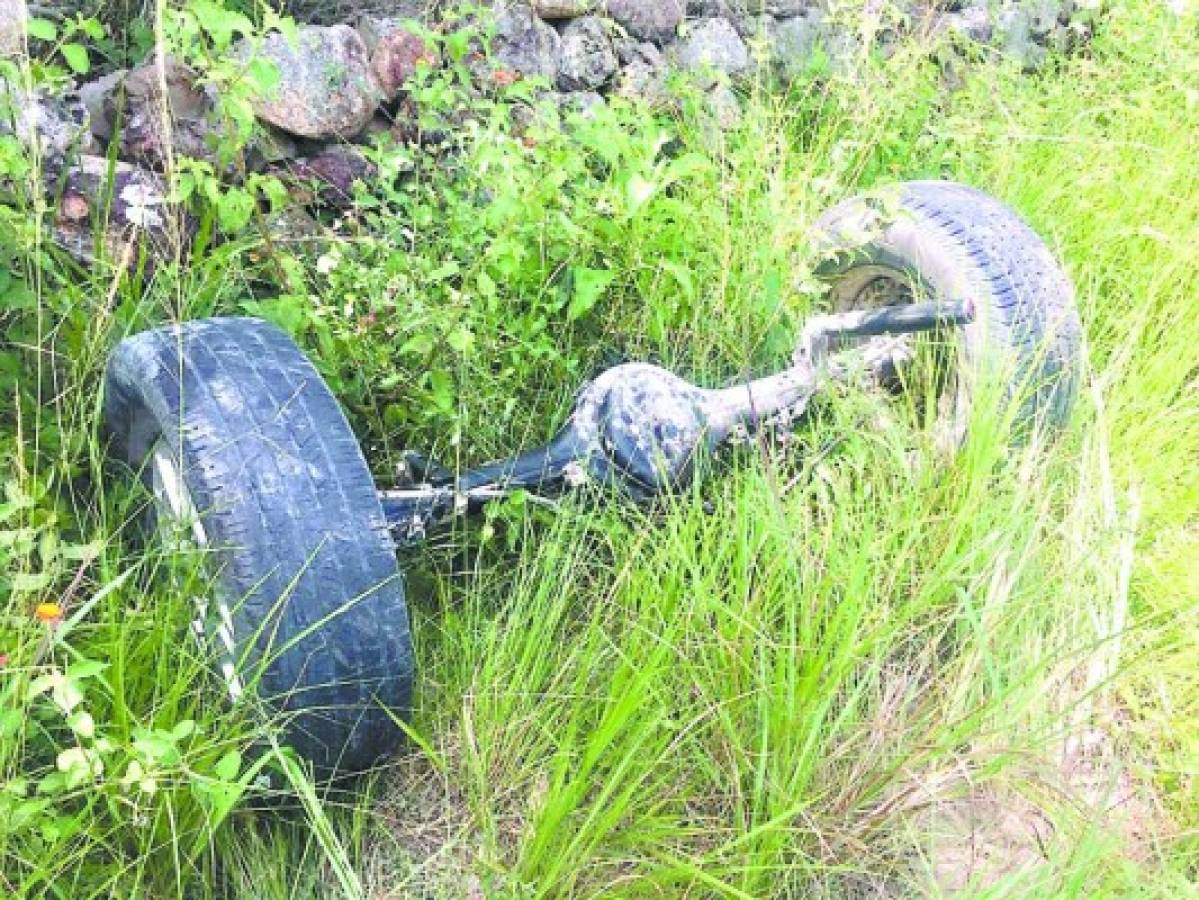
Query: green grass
x=852, y=666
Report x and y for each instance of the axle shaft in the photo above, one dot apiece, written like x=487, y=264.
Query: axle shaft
x=906, y=318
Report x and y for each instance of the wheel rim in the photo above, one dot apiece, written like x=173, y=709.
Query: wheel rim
x=180, y=528
x=873, y=286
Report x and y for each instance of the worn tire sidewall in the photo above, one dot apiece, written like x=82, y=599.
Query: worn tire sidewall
x=920, y=253
x=142, y=408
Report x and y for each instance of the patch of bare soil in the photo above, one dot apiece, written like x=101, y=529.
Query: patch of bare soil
x=979, y=837
x=427, y=842
x=424, y=843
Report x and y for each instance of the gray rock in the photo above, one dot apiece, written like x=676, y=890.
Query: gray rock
x=794, y=43
x=95, y=96
x=154, y=129
x=130, y=203
x=713, y=44
x=328, y=177
x=737, y=10
x=330, y=12
x=525, y=44
x=643, y=76
x=723, y=107
x=780, y=9
x=843, y=47
x=629, y=50
x=294, y=228
x=971, y=24
x=56, y=128
x=12, y=27
x=643, y=52
x=748, y=23
x=1014, y=32
x=396, y=51
x=715, y=9
x=563, y=9
x=758, y=28
x=643, y=82
x=754, y=28
x=1044, y=15
x=554, y=109
x=581, y=103
x=588, y=59
x=326, y=87
x=648, y=20
x=425, y=12
x=269, y=146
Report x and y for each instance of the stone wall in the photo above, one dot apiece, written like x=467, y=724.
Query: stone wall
x=12, y=24
x=580, y=53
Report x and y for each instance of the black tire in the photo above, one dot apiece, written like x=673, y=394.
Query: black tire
x=952, y=242
x=303, y=557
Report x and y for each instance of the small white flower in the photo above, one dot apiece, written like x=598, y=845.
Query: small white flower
x=327, y=262
x=133, y=773
x=83, y=724
x=80, y=763
x=63, y=692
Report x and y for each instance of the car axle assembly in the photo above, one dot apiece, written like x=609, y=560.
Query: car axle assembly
x=639, y=428
x=246, y=456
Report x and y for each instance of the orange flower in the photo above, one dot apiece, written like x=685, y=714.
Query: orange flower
x=504, y=77
x=50, y=613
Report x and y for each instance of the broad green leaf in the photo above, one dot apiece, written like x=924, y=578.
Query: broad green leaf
x=234, y=210
x=16, y=787
x=86, y=668
x=30, y=582
x=420, y=344
x=10, y=721
x=263, y=74
x=42, y=29
x=682, y=276
x=158, y=747
x=92, y=28
x=639, y=192
x=16, y=537
x=460, y=340
x=76, y=57
x=220, y=23
x=288, y=311
x=444, y=271
x=80, y=552
x=228, y=766
x=442, y=390
x=588, y=286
